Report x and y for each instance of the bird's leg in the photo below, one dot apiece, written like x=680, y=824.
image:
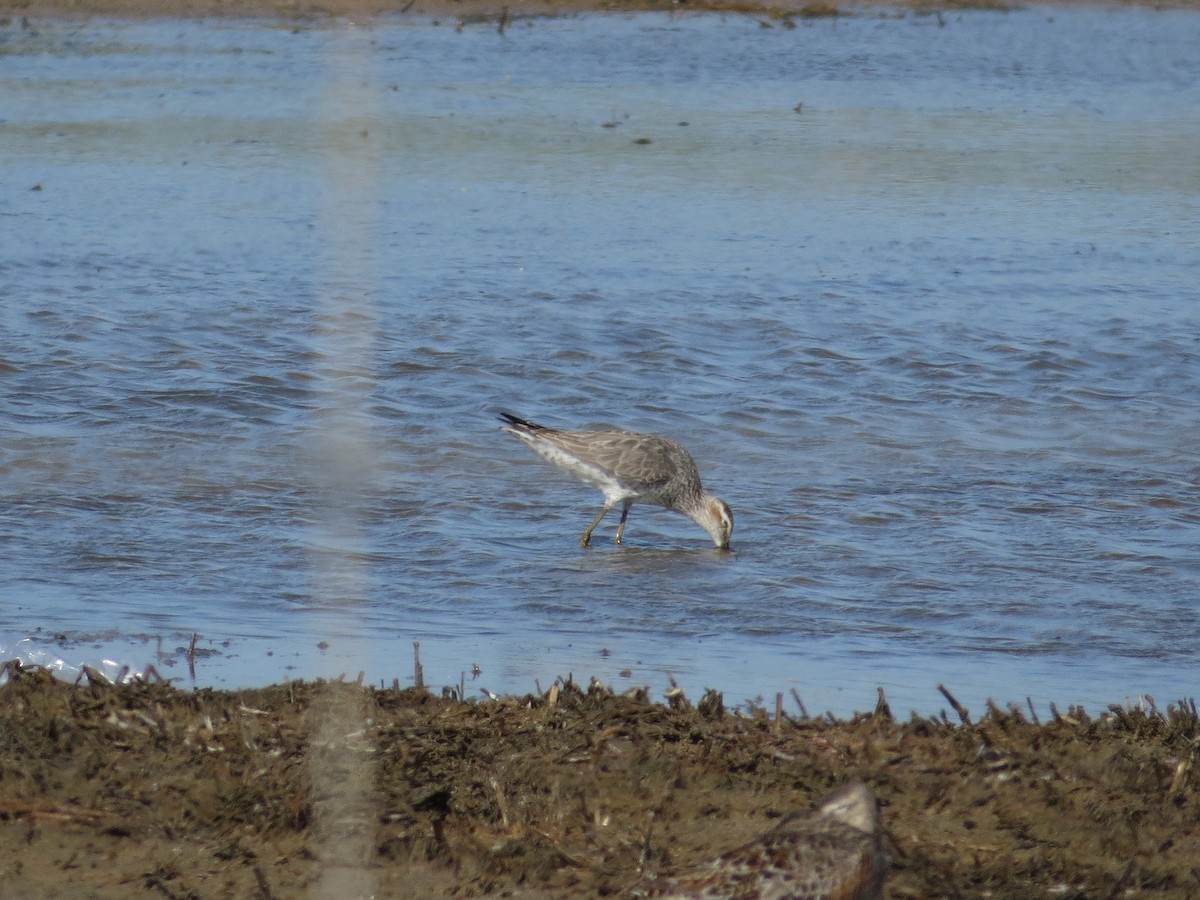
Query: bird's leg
x=587, y=535
x=624, y=516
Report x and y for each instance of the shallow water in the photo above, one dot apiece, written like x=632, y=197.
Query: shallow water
x=933, y=335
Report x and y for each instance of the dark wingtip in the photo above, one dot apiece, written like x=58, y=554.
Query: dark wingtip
x=516, y=421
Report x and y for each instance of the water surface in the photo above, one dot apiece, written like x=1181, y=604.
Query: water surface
x=919, y=295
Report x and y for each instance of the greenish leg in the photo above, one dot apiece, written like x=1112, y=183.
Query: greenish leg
x=624, y=516
x=587, y=535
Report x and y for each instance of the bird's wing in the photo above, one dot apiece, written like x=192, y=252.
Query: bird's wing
x=642, y=462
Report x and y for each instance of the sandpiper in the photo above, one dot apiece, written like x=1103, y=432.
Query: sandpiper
x=629, y=467
x=834, y=851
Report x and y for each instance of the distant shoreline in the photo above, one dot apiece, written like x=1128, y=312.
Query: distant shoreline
x=502, y=12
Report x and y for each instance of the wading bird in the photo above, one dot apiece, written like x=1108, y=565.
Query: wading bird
x=629, y=468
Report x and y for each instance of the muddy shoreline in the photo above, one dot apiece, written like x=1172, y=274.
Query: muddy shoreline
x=502, y=13
x=333, y=789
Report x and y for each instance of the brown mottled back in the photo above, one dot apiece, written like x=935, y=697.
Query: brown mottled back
x=834, y=852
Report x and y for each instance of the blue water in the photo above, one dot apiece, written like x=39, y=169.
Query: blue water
x=920, y=296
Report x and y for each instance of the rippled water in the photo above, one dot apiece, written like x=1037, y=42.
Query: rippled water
x=933, y=335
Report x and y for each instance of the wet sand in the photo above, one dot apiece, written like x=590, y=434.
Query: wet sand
x=333, y=789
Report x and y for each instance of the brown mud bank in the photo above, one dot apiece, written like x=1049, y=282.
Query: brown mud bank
x=501, y=13
x=332, y=789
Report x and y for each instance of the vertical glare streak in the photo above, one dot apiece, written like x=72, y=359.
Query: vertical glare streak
x=342, y=750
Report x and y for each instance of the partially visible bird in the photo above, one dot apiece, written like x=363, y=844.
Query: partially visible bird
x=629, y=467
x=834, y=852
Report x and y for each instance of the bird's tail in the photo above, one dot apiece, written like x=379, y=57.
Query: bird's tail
x=515, y=423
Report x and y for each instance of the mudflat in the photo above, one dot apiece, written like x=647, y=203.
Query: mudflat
x=336, y=789
x=503, y=12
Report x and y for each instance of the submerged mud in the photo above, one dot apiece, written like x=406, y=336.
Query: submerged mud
x=337, y=789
